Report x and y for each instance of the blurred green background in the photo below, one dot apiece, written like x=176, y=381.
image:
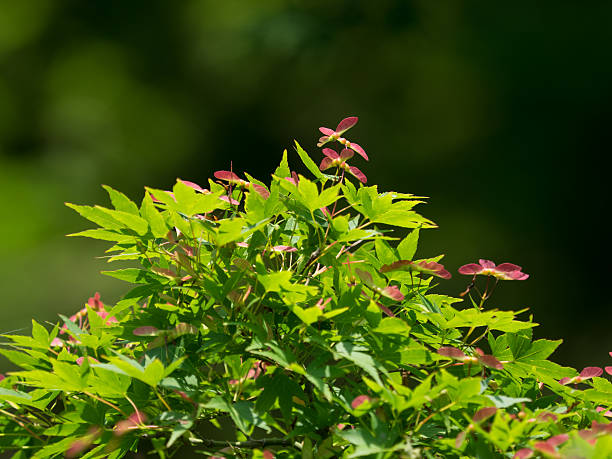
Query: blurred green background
x=499, y=112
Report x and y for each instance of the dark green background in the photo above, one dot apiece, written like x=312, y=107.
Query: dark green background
x=499, y=113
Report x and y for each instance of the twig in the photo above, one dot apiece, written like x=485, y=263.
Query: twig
x=106, y=402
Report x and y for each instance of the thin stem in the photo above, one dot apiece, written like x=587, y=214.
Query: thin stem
x=492, y=288
x=159, y=396
x=364, y=225
x=484, y=296
x=433, y=414
x=106, y=402
x=21, y=423
x=480, y=337
x=342, y=210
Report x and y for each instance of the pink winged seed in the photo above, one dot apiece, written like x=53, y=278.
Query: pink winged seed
x=385, y=309
x=557, y=439
x=227, y=176
x=484, y=413
x=169, y=193
x=346, y=124
x=283, y=248
x=193, y=185
x=359, y=150
x=393, y=293
x=359, y=400
x=517, y=275
x=487, y=264
x=471, y=268
x=322, y=303
x=508, y=267
x=293, y=179
x=452, y=352
x=460, y=438
x=81, y=444
x=365, y=277
x=331, y=153
x=80, y=360
x=427, y=267
x=229, y=200
x=396, y=265
x=78, y=446
x=505, y=271
x=590, y=372
x=433, y=268
x=547, y=417
x=133, y=420
x=346, y=153
x=145, y=330
x=523, y=453
x=490, y=362
x=546, y=448
x=588, y=435
x=358, y=174
x=586, y=373
x=326, y=163
x=261, y=190
x=94, y=302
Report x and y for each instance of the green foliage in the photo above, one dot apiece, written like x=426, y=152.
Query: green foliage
x=263, y=310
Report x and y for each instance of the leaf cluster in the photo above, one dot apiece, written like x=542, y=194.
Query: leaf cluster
x=261, y=324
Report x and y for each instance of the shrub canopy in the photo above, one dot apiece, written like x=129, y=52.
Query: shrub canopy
x=293, y=319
